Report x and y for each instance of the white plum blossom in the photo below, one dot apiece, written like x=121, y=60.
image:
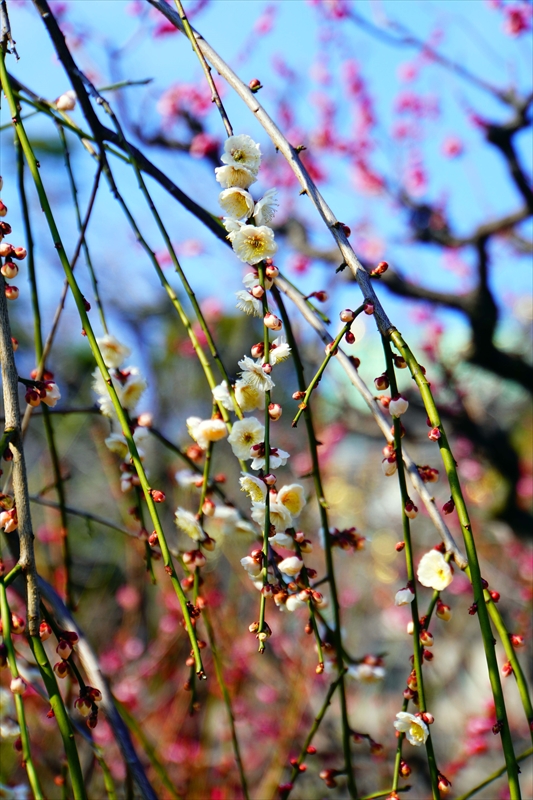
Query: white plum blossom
x=186, y=477
x=251, y=566
x=237, y=203
x=230, y=176
x=434, y=571
x=366, y=673
x=248, y=303
x=280, y=517
x=404, y=597
x=232, y=226
x=129, y=386
x=279, y=350
x=242, y=151
x=292, y=497
x=278, y=458
x=132, y=389
x=117, y=443
x=254, y=374
x=204, y=431
x=246, y=433
x=282, y=540
x=52, y=394
x=228, y=521
x=188, y=523
x=222, y=396
x=266, y=208
x=249, y=397
x=253, y=244
x=251, y=279
x=415, y=729
x=294, y=601
x=113, y=352
x=291, y=566
x=254, y=487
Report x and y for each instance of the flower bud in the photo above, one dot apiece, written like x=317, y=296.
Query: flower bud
x=381, y=382
x=157, y=495
x=84, y=706
x=17, y=685
x=267, y=368
x=11, y=292
x=63, y=649
x=298, y=395
x=345, y=229
x=426, y=639
x=405, y=769
x=67, y=101
x=517, y=640
x=254, y=85
x=380, y=269
x=9, y=270
x=17, y=624
x=208, y=507
x=399, y=362
x=448, y=507
x=349, y=337
x=495, y=596
x=3, y=209
x=152, y=539
x=145, y=420
x=411, y=510
x=398, y=406
x=45, y=631
x=270, y=479
x=19, y=253
x=444, y=785
x=434, y=434
x=274, y=411
x=507, y=669
x=257, y=292
x=257, y=350
x=368, y=308
x=347, y=315
x=271, y=271
x=389, y=465
x=33, y=398
x=399, y=546
x=6, y=250
x=443, y=611
x=272, y=322
x=15, y=344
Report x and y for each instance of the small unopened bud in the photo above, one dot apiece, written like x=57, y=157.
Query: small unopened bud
x=267, y=368
x=208, y=507
x=389, y=466
x=443, y=611
x=63, y=649
x=473, y=609
x=9, y=270
x=444, y=785
x=11, y=292
x=381, y=382
x=152, y=539
x=399, y=546
x=405, y=769
x=368, y=308
x=345, y=229
x=298, y=395
x=195, y=452
x=157, y=495
x=495, y=596
x=3, y=209
x=271, y=271
x=257, y=350
x=517, y=640
x=45, y=631
x=33, y=398
x=507, y=669
x=331, y=350
x=67, y=101
x=380, y=269
x=19, y=253
x=349, y=337
x=17, y=624
x=398, y=406
x=254, y=627
x=254, y=85
x=399, y=362
x=448, y=507
x=272, y=322
x=411, y=510
x=270, y=479
x=257, y=292
x=6, y=250
x=274, y=411
x=17, y=685
x=15, y=344
x=427, y=655
x=347, y=315
x=434, y=434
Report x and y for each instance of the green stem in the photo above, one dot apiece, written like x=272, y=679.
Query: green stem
x=398, y=756
x=409, y=560
x=149, y=749
x=475, y=574
x=19, y=704
x=322, y=508
x=314, y=728
x=494, y=776
x=61, y=716
x=10, y=577
x=227, y=701
x=79, y=300
x=331, y=351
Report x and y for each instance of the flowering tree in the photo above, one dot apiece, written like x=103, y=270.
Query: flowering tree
x=209, y=587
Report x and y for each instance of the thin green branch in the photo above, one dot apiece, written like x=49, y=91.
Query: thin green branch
x=473, y=563
x=494, y=776
x=263, y=630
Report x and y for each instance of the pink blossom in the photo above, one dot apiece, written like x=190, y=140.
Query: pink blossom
x=517, y=19
x=407, y=72
x=265, y=22
x=203, y=144
x=452, y=147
